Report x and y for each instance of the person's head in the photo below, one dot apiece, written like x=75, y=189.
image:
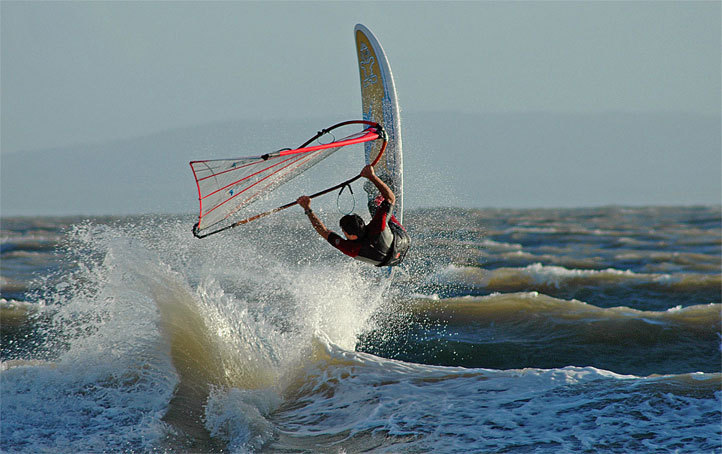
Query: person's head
x=353, y=226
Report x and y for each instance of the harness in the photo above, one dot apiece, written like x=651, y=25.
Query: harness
x=386, y=249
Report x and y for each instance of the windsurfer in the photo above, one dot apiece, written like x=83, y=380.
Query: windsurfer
x=381, y=242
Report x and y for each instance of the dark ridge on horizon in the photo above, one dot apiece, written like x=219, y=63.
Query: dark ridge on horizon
x=451, y=159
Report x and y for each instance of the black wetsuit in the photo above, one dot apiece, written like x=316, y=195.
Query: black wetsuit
x=384, y=244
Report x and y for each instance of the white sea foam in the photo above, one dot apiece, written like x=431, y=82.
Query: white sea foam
x=550, y=276
x=261, y=344
x=239, y=417
x=497, y=246
x=17, y=304
x=257, y=318
x=421, y=408
x=109, y=389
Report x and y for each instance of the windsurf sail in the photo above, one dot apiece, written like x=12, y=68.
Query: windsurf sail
x=227, y=186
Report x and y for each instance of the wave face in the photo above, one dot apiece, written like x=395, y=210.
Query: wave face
x=506, y=330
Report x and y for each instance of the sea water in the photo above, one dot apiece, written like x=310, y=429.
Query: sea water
x=582, y=330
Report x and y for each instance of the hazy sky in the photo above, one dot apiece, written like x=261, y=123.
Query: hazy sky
x=78, y=72
x=541, y=103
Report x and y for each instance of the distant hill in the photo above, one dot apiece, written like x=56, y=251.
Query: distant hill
x=470, y=160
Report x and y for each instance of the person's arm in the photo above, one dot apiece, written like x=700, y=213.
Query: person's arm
x=305, y=202
x=386, y=192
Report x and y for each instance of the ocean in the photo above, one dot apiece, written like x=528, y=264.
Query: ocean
x=515, y=331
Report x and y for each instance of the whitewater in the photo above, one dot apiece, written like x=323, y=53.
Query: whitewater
x=594, y=330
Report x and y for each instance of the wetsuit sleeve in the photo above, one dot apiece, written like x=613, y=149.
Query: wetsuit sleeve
x=378, y=223
x=350, y=248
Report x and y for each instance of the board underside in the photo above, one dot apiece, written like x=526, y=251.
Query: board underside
x=379, y=105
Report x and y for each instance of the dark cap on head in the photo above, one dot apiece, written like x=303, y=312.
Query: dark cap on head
x=353, y=224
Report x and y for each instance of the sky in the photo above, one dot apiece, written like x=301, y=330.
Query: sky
x=90, y=72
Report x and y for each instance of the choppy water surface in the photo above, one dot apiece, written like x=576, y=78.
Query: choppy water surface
x=507, y=330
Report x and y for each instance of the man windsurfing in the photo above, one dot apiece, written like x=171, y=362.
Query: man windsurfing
x=381, y=242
